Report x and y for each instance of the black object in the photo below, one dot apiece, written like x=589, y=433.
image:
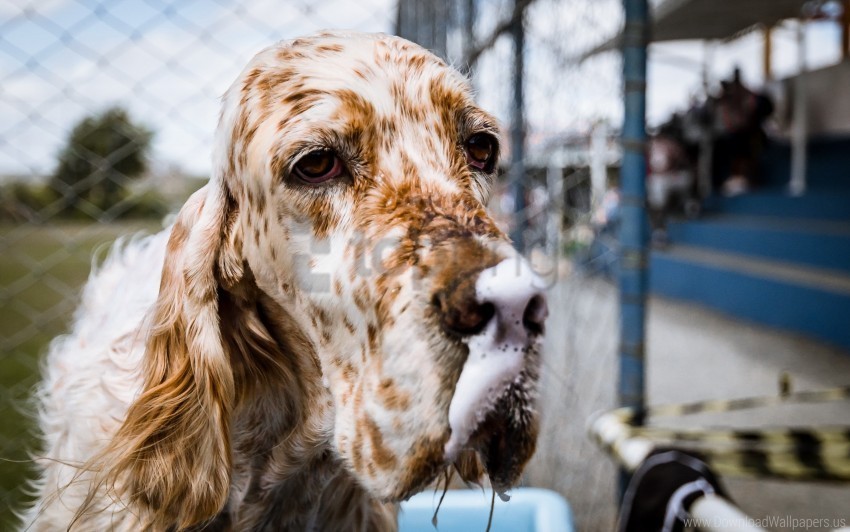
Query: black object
x=662, y=490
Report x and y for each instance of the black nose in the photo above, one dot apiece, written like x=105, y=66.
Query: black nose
x=463, y=311
x=535, y=313
x=459, y=311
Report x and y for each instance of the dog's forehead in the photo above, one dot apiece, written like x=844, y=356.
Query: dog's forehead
x=371, y=73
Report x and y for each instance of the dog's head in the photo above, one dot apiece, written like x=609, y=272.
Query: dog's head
x=351, y=174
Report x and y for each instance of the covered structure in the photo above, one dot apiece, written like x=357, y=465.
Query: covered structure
x=709, y=20
x=676, y=20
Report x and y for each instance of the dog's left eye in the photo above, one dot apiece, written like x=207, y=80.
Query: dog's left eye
x=481, y=151
x=318, y=166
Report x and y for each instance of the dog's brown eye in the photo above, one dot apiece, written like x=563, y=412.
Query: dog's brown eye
x=318, y=166
x=481, y=151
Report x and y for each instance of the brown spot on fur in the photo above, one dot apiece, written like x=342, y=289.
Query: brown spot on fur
x=392, y=397
x=361, y=297
x=357, y=454
x=372, y=333
x=324, y=317
x=328, y=48
x=383, y=457
x=250, y=79
x=389, y=292
x=349, y=371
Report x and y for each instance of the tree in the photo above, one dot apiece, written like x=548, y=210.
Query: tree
x=103, y=153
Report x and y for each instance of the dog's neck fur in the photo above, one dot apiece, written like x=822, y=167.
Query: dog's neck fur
x=285, y=473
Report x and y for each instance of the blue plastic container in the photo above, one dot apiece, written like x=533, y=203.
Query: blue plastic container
x=529, y=510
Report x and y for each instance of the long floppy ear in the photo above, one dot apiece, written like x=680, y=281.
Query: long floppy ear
x=172, y=455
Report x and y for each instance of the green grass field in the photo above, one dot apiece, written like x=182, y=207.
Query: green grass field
x=42, y=269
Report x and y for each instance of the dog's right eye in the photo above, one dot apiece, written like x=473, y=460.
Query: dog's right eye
x=318, y=166
x=481, y=151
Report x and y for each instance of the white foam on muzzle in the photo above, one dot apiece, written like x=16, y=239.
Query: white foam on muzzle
x=497, y=353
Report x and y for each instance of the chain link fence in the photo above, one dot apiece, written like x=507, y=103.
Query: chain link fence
x=107, y=111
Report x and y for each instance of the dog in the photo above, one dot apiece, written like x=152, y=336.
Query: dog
x=331, y=323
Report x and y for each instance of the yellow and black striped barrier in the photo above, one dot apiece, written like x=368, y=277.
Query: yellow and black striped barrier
x=795, y=453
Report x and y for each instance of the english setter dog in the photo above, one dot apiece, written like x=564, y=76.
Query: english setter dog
x=331, y=323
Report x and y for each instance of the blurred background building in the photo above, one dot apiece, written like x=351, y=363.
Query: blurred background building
x=107, y=111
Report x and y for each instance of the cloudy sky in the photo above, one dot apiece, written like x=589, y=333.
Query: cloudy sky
x=168, y=62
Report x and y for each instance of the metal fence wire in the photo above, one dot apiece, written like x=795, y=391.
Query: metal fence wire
x=107, y=111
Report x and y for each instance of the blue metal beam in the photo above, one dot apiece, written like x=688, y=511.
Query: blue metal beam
x=633, y=228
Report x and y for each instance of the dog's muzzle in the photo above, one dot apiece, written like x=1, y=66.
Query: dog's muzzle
x=501, y=317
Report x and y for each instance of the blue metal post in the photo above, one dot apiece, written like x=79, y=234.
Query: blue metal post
x=633, y=225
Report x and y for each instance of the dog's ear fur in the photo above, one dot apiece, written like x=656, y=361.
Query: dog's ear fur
x=172, y=454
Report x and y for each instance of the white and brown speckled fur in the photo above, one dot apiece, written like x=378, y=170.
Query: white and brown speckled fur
x=274, y=361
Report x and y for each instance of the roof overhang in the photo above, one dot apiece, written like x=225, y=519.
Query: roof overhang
x=678, y=20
